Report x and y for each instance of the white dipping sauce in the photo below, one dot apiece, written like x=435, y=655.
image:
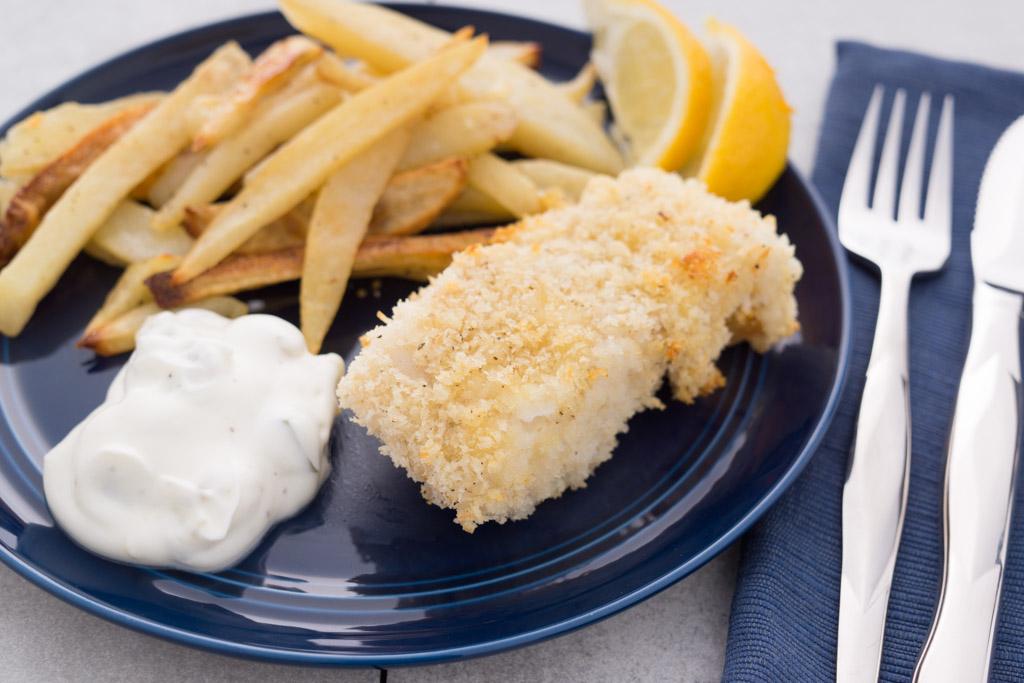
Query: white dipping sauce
x=213, y=431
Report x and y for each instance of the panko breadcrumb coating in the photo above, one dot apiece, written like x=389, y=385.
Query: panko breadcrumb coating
x=507, y=379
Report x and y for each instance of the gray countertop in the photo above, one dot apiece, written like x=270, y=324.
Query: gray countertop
x=678, y=635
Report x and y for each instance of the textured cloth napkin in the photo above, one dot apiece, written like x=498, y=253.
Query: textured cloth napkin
x=785, y=611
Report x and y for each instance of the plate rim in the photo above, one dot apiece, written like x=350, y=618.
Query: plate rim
x=59, y=589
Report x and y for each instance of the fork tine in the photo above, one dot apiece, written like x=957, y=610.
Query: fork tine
x=938, y=207
x=884, y=200
x=913, y=172
x=858, y=174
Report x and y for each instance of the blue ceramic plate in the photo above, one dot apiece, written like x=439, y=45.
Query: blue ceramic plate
x=369, y=573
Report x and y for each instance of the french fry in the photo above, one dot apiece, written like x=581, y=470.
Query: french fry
x=549, y=174
x=472, y=200
x=86, y=205
x=269, y=72
x=333, y=69
x=464, y=130
x=502, y=182
x=129, y=291
x=413, y=199
x=340, y=220
x=276, y=120
x=525, y=52
x=550, y=125
x=287, y=231
x=171, y=176
x=414, y=258
x=126, y=237
x=303, y=164
x=36, y=141
x=580, y=85
x=118, y=335
x=34, y=199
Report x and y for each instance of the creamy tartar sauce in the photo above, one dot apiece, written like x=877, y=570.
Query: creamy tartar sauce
x=213, y=431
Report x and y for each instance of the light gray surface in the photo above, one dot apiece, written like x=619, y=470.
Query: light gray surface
x=678, y=635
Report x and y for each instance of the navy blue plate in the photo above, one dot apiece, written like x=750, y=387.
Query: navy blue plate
x=369, y=573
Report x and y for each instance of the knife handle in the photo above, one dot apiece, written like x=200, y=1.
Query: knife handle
x=980, y=470
x=875, y=492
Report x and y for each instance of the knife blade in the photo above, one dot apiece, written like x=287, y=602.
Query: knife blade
x=984, y=440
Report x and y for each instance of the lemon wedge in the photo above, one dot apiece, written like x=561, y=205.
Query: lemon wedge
x=744, y=147
x=657, y=76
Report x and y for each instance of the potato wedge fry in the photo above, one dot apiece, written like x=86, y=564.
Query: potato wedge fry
x=129, y=291
x=36, y=141
x=36, y=197
x=126, y=237
x=274, y=121
x=414, y=258
x=87, y=204
x=525, y=52
x=550, y=125
x=549, y=174
x=118, y=335
x=464, y=130
x=340, y=220
x=303, y=164
x=413, y=199
x=269, y=72
x=333, y=69
x=580, y=85
x=502, y=182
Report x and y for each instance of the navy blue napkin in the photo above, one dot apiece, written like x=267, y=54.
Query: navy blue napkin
x=785, y=611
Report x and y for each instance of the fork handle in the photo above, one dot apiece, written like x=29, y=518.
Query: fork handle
x=980, y=470
x=875, y=493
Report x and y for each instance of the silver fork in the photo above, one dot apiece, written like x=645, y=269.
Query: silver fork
x=901, y=244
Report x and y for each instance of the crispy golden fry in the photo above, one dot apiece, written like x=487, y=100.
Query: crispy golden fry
x=171, y=176
x=126, y=237
x=414, y=258
x=549, y=174
x=580, y=85
x=31, y=144
x=350, y=77
x=269, y=72
x=501, y=181
x=473, y=201
x=463, y=130
x=87, y=204
x=340, y=220
x=413, y=199
x=274, y=121
x=34, y=199
x=287, y=231
x=130, y=290
x=550, y=125
x=303, y=164
x=118, y=335
x=525, y=52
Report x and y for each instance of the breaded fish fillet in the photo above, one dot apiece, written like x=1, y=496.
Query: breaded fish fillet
x=507, y=379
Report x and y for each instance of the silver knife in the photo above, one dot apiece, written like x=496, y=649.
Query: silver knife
x=985, y=436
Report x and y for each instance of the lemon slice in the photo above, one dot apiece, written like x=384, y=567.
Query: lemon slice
x=744, y=147
x=657, y=76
